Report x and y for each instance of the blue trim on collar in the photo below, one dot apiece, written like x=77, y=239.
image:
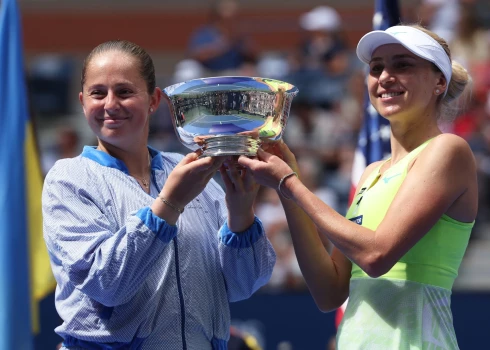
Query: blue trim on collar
x=156, y=158
x=91, y=152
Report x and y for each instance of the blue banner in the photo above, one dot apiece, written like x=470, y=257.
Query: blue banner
x=15, y=299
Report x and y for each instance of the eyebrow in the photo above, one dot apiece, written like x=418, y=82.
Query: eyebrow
x=395, y=57
x=118, y=85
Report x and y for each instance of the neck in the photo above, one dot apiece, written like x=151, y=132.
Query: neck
x=136, y=160
x=405, y=138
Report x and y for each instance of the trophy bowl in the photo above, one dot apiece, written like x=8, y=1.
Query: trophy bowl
x=229, y=115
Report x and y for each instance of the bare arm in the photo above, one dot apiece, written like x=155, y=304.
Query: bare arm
x=441, y=180
x=327, y=275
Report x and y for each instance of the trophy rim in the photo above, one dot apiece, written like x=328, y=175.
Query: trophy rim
x=292, y=89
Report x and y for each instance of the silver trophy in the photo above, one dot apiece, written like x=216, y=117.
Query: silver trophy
x=229, y=115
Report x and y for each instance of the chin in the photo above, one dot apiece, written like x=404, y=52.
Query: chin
x=111, y=136
x=390, y=112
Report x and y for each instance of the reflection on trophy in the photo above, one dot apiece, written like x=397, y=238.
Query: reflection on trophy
x=229, y=115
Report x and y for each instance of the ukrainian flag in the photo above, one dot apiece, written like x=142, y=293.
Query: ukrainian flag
x=25, y=273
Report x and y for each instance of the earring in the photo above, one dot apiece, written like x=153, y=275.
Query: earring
x=438, y=91
x=151, y=110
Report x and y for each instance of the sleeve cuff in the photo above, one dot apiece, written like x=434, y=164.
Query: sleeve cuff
x=243, y=239
x=157, y=225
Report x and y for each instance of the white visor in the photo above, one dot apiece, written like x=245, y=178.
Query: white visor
x=414, y=40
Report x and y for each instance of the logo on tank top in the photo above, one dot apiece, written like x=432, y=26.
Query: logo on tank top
x=388, y=178
x=357, y=219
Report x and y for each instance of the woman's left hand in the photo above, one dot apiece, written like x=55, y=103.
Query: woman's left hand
x=241, y=190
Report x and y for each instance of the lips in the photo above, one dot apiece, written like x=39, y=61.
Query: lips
x=109, y=119
x=113, y=119
x=112, y=122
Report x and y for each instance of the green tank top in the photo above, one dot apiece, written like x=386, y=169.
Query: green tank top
x=409, y=306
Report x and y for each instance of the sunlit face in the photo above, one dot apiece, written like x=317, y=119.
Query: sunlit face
x=402, y=84
x=115, y=99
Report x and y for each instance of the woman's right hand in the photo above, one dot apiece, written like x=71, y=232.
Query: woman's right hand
x=271, y=165
x=189, y=178
x=281, y=150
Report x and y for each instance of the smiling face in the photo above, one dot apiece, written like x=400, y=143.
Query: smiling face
x=401, y=84
x=115, y=99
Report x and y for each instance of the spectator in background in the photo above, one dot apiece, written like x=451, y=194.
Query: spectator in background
x=478, y=136
x=286, y=275
x=329, y=88
x=321, y=28
x=471, y=43
x=273, y=65
x=67, y=145
x=440, y=16
x=322, y=132
x=187, y=69
x=220, y=46
x=162, y=133
x=314, y=131
x=471, y=46
x=339, y=181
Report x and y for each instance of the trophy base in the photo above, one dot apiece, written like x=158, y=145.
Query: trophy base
x=235, y=145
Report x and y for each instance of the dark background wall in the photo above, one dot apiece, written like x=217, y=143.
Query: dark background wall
x=293, y=320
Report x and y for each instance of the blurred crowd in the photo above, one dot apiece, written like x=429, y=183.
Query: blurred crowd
x=327, y=113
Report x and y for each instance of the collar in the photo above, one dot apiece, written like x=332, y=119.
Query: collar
x=104, y=159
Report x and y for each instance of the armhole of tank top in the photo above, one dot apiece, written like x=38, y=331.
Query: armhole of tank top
x=371, y=179
x=415, y=154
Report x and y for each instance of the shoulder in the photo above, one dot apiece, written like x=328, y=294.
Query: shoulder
x=448, y=161
x=365, y=175
x=64, y=167
x=369, y=170
x=450, y=140
x=446, y=174
x=77, y=172
x=449, y=150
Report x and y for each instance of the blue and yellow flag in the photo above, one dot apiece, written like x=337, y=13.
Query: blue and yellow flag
x=25, y=274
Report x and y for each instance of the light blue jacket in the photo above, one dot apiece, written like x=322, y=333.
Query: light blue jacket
x=127, y=279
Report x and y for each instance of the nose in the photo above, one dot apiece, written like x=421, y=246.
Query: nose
x=111, y=102
x=386, y=77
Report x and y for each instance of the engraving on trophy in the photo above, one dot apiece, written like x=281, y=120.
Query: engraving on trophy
x=229, y=115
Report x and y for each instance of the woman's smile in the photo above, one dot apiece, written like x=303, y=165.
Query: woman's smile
x=113, y=121
x=390, y=95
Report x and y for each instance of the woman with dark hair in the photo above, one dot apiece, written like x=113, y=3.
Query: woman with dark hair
x=146, y=248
